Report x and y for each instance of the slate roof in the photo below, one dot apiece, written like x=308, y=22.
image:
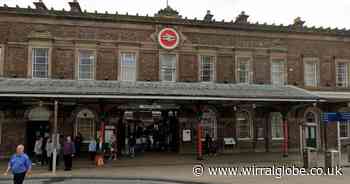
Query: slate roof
x=139, y=88
x=110, y=17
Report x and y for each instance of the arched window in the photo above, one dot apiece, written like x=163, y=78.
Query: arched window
x=39, y=114
x=310, y=118
x=85, y=124
x=244, y=127
x=311, y=129
x=276, y=125
x=209, y=124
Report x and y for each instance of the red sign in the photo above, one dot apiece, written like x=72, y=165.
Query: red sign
x=168, y=38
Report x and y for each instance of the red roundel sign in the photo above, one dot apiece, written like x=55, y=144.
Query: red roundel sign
x=168, y=38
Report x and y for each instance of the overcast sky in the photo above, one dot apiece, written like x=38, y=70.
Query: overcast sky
x=326, y=13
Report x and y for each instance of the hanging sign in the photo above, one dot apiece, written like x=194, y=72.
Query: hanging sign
x=168, y=38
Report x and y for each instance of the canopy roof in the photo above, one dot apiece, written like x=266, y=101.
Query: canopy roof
x=150, y=90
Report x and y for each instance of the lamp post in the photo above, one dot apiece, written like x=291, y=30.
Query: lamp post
x=55, y=139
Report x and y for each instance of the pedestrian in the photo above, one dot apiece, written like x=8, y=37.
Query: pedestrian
x=37, y=150
x=20, y=165
x=208, y=142
x=49, y=151
x=78, y=142
x=114, y=147
x=132, y=143
x=100, y=152
x=92, y=149
x=44, y=158
x=68, y=153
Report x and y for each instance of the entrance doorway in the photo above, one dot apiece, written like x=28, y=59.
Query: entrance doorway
x=310, y=130
x=150, y=131
x=35, y=129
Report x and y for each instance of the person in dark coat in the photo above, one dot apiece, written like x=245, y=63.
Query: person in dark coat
x=78, y=142
x=208, y=144
x=68, y=153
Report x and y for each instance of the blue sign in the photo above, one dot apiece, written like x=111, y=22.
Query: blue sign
x=336, y=116
x=330, y=117
x=344, y=116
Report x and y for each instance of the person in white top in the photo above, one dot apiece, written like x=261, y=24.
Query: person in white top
x=37, y=149
x=49, y=150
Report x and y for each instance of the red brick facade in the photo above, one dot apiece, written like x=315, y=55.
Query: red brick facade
x=109, y=35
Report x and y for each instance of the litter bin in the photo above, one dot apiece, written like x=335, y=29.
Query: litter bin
x=310, y=157
x=331, y=158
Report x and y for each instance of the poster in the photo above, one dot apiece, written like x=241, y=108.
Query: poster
x=186, y=135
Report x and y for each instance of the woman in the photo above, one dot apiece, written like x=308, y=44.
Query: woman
x=92, y=149
x=37, y=150
x=114, y=147
x=50, y=149
x=68, y=153
x=100, y=152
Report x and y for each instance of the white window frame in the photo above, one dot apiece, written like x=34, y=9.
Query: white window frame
x=2, y=59
x=250, y=124
x=345, y=84
x=282, y=73
x=213, y=69
x=316, y=77
x=34, y=61
x=121, y=67
x=347, y=124
x=93, y=64
x=248, y=60
x=209, y=121
x=90, y=116
x=273, y=131
x=174, y=69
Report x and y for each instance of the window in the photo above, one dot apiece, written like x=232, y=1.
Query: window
x=276, y=125
x=168, y=67
x=277, y=72
x=85, y=124
x=209, y=124
x=40, y=63
x=86, y=65
x=1, y=61
x=342, y=74
x=243, y=125
x=311, y=73
x=128, y=66
x=344, y=129
x=207, y=71
x=243, y=69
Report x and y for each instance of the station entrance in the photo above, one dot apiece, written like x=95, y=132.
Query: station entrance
x=149, y=131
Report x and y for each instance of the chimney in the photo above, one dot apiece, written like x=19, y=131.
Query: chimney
x=208, y=17
x=40, y=5
x=298, y=22
x=75, y=7
x=242, y=18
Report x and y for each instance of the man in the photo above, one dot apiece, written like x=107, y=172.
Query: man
x=68, y=153
x=20, y=165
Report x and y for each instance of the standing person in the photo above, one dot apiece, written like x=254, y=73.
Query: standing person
x=208, y=144
x=20, y=165
x=68, y=153
x=78, y=142
x=92, y=149
x=44, y=159
x=49, y=152
x=132, y=143
x=114, y=147
x=37, y=150
x=100, y=152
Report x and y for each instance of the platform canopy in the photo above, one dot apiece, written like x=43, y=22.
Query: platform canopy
x=16, y=87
